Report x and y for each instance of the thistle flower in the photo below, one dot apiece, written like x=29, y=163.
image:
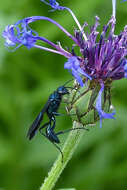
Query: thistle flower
x=103, y=55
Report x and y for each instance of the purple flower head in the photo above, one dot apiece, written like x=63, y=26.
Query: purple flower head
x=54, y=4
x=104, y=58
x=19, y=34
x=74, y=64
x=101, y=113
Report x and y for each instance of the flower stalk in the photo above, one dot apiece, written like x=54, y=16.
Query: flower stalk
x=68, y=150
x=114, y=8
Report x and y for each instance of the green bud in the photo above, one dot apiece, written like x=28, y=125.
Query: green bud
x=82, y=103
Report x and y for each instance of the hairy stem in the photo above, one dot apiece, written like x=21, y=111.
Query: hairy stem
x=68, y=150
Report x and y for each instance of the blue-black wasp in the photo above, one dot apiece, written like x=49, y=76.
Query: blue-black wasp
x=51, y=107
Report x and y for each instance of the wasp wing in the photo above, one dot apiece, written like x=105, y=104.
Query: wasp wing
x=35, y=125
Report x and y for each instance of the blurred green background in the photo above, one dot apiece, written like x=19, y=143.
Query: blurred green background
x=27, y=77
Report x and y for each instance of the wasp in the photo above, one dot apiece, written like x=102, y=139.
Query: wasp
x=51, y=107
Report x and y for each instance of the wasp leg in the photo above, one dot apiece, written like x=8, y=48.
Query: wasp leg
x=58, y=148
x=53, y=119
x=58, y=114
x=43, y=126
x=61, y=114
x=68, y=130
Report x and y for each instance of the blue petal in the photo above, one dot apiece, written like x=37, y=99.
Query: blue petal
x=74, y=65
x=125, y=70
x=8, y=34
x=101, y=113
x=20, y=34
x=68, y=65
x=78, y=78
x=84, y=73
x=54, y=4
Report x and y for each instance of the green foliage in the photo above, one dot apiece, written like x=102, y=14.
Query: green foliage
x=27, y=77
x=67, y=189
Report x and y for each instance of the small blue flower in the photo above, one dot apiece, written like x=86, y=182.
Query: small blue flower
x=9, y=35
x=54, y=4
x=20, y=34
x=74, y=64
x=101, y=113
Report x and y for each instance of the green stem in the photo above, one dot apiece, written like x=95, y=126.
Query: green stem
x=68, y=149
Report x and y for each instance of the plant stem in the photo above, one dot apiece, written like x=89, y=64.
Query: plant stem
x=68, y=149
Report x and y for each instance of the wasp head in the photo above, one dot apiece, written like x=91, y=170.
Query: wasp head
x=62, y=90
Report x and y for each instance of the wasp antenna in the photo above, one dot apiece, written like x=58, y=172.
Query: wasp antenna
x=68, y=82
